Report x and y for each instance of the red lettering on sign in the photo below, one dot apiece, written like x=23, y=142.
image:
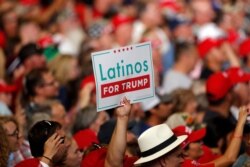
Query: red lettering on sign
x=127, y=85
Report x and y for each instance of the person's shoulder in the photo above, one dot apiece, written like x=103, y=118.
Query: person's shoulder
x=95, y=158
x=32, y=162
x=129, y=161
x=193, y=163
x=210, y=115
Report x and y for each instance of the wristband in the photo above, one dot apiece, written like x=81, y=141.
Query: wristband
x=47, y=158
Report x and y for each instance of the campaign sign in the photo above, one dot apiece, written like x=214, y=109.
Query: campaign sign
x=125, y=71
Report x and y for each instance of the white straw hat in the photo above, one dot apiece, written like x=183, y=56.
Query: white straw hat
x=156, y=142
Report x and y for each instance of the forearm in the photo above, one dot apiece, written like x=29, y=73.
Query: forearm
x=52, y=9
x=233, y=149
x=117, y=146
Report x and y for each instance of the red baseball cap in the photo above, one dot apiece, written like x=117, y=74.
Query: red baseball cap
x=217, y=85
x=206, y=45
x=237, y=75
x=244, y=48
x=5, y=88
x=85, y=138
x=193, y=136
x=121, y=19
x=32, y=162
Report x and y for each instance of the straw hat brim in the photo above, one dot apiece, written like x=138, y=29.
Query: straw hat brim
x=158, y=154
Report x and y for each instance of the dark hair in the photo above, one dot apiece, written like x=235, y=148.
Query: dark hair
x=148, y=114
x=215, y=102
x=246, y=129
x=217, y=128
x=142, y=6
x=39, y=134
x=182, y=47
x=46, y=3
x=31, y=81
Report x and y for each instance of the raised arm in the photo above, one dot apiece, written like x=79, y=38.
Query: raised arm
x=232, y=151
x=232, y=57
x=117, y=146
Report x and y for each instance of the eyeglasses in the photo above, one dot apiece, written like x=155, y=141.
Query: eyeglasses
x=14, y=134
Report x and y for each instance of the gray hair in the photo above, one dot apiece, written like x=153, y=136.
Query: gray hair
x=40, y=116
x=84, y=118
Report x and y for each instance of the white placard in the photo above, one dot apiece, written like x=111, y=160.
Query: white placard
x=126, y=71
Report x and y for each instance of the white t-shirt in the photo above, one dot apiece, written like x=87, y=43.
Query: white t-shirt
x=174, y=80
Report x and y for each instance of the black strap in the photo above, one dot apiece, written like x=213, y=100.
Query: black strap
x=159, y=147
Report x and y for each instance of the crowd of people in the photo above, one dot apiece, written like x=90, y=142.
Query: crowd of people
x=201, y=62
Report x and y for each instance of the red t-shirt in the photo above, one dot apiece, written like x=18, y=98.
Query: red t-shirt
x=207, y=156
x=97, y=158
x=193, y=163
x=32, y=162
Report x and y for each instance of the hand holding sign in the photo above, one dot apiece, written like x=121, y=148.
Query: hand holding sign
x=126, y=71
x=124, y=110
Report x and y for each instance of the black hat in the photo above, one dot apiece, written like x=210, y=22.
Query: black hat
x=174, y=22
x=106, y=130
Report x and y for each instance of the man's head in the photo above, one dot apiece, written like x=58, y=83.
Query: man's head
x=59, y=114
x=210, y=50
x=41, y=83
x=149, y=13
x=203, y=11
x=186, y=55
x=89, y=118
x=192, y=145
x=181, y=28
x=30, y=55
x=159, y=146
x=123, y=27
x=74, y=156
x=159, y=107
x=100, y=35
x=184, y=101
x=239, y=78
x=40, y=133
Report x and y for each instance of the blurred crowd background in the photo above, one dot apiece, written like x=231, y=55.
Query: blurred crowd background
x=201, y=57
